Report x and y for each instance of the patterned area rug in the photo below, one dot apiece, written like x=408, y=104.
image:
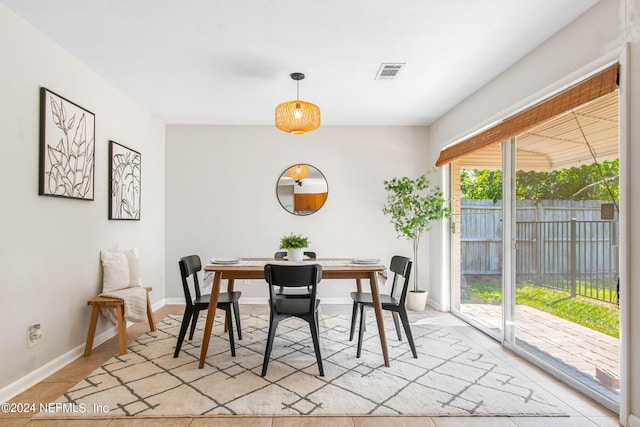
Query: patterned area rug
x=449, y=378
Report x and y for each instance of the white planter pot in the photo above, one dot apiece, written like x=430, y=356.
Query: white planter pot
x=417, y=301
x=295, y=255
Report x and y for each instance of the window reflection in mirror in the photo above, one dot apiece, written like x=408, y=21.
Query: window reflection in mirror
x=302, y=189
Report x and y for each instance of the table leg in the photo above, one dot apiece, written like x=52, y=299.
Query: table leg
x=377, y=306
x=211, y=314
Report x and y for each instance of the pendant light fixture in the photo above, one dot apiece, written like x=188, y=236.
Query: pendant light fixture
x=298, y=172
x=297, y=116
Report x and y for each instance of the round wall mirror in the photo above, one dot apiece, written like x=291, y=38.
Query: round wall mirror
x=302, y=189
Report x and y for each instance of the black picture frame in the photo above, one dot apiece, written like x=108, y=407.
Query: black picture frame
x=67, y=148
x=125, y=179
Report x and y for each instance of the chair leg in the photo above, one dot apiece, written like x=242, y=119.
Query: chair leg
x=152, y=323
x=313, y=325
x=354, y=316
x=407, y=330
x=122, y=328
x=232, y=343
x=273, y=324
x=194, y=321
x=92, y=330
x=397, y=324
x=361, y=331
x=186, y=318
x=236, y=312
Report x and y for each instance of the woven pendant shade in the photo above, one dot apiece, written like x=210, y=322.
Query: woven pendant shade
x=298, y=172
x=297, y=116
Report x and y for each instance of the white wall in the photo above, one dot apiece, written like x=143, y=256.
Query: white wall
x=221, y=194
x=594, y=39
x=49, y=247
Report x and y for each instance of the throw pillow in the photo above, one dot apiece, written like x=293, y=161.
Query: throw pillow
x=133, y=260
x=120, y=270
x=115, y=271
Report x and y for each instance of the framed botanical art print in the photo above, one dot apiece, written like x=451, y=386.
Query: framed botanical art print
x=124, y=182
x=67, y=148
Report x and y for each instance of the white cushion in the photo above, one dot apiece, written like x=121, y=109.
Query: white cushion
x=133, y=260
x=120, y=270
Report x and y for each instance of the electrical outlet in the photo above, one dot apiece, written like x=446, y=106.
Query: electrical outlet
x=34, y=333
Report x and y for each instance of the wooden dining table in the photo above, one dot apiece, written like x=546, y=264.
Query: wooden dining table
x=332, y=268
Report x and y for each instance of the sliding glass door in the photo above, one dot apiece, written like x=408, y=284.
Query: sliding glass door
x=535, y=245
x=477, y=239
x=566, y=263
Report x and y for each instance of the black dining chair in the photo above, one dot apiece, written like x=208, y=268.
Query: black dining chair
x=305, y=308
x=282, y=254
x=190, y=266
x=292, y=293
x=400, y=267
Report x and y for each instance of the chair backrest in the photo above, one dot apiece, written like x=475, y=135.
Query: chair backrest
x=282, y=254
x=400, y=267
x=190, y=266
x=293, y=276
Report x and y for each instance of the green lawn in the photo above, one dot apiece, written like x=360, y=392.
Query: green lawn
x=596, y=315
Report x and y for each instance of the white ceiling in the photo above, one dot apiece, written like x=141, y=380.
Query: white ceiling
x=228, y=62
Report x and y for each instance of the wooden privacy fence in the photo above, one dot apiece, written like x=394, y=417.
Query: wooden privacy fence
x=559, y=244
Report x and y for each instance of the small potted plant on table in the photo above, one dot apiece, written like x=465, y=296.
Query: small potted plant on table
x=413, y=206
x=295, y=246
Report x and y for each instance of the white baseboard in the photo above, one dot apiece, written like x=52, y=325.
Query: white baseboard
x=337, y=301
x=254, y=300
x=634, y=421
x=34, y=377
x=263, y=300
x=158, y=305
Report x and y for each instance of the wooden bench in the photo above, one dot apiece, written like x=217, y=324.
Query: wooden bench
x=118, y=304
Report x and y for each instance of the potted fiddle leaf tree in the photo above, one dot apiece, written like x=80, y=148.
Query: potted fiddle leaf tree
x=414, y=204
x=295, y=245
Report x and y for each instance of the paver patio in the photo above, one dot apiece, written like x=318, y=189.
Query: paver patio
x=557, y=340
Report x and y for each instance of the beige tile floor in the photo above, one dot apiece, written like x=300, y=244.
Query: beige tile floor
x=582, y=411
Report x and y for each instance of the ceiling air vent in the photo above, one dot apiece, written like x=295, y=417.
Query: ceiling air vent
x=388, y=71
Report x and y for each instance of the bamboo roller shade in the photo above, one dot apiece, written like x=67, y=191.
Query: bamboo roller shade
x=594, y=87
